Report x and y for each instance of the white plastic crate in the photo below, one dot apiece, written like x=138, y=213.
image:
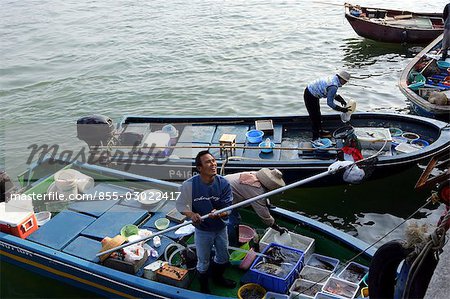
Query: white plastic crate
x=315, y=274
x=306, y=289
x=297, y=241
x=353, y=272
x=340, y=288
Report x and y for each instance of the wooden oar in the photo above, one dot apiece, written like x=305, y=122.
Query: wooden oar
x=235, y=206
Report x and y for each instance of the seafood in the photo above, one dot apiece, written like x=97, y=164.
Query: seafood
x=339, y=288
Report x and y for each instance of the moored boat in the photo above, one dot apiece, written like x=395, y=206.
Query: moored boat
x=394, y=26
x=65, y=247
x=425, y=75
x=141, y=145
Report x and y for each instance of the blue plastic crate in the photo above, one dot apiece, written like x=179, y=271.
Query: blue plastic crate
x=274, y=283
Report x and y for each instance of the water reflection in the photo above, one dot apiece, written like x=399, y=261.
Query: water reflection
x=362, y=51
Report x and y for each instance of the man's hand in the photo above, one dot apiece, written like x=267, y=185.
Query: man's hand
x=221, y=215
x=341, y=100
x=195, y=217
x=279, y=229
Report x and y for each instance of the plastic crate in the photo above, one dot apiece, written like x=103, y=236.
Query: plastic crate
x=302, y=288
x=272, y=295
x=300, y=242
x=323, y=295
x=275, y=283
x=315, y=274
x=322, y=262
x=354, y=272
x=334, y=283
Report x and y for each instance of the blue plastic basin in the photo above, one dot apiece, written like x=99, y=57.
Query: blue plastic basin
x=254, y=136
x=266, y=149
x=443, y=65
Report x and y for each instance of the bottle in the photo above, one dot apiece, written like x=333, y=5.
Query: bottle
x=268, y=143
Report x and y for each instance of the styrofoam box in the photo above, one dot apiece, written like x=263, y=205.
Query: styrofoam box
x=316, y=260
x=354, y=267
x=323, y=295
x=299, y=242
x=310, y=289
x=315, y=274
x=272, y=295
x=334, y=283
x=374, y=138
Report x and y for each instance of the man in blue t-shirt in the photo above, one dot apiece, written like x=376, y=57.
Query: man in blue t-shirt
x=201, y=195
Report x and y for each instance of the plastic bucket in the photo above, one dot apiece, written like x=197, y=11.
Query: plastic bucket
x=66, y=183
x=43, y=217
x=246, y=233
x=84, y=182
x=410, y=137
x=254, y=136
x=248, y=260
x=251, y=290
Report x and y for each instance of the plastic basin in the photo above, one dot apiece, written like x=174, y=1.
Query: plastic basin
x=443, y=65
x=129, y=230
x=251, y=290
x=420, y=142
x=246, y=233
x=254, y=136
x=266, y=148
x=162, y=223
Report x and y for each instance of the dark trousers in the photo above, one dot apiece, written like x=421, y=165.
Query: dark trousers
x=313, y=107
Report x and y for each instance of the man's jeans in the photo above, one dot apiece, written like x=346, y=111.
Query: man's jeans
x=204, y=241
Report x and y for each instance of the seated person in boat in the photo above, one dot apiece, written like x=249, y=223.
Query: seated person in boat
x=247, y=185
x=201, y=195
x=324, y=88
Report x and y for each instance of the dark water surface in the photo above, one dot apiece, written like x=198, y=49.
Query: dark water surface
x=61, y=60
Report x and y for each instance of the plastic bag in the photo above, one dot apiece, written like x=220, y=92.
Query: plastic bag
x=134, y=253
x=354, y=174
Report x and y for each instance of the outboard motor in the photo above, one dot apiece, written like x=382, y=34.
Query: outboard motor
x=95, y=130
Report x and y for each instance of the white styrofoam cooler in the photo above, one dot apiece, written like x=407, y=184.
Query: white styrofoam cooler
x=374, y=138
x=297, y=241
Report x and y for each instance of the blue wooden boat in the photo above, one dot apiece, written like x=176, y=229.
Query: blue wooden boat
x=65, y=247
x=432, y=79
x=172, y=159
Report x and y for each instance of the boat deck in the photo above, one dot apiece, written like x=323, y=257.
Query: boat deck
x=77, y=228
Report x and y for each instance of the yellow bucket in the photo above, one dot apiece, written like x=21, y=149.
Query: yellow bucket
x=365, y=292
x=251, y=290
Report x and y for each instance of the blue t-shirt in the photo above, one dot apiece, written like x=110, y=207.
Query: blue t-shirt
x=202, y=198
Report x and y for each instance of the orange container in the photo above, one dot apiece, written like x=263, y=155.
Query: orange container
x=16, y=221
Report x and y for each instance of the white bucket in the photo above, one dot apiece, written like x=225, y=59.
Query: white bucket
x=345, y=117
x=66, y=183
x=84, y=182
x=43, y=217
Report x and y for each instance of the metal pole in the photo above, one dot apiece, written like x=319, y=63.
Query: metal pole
x=237, y=205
